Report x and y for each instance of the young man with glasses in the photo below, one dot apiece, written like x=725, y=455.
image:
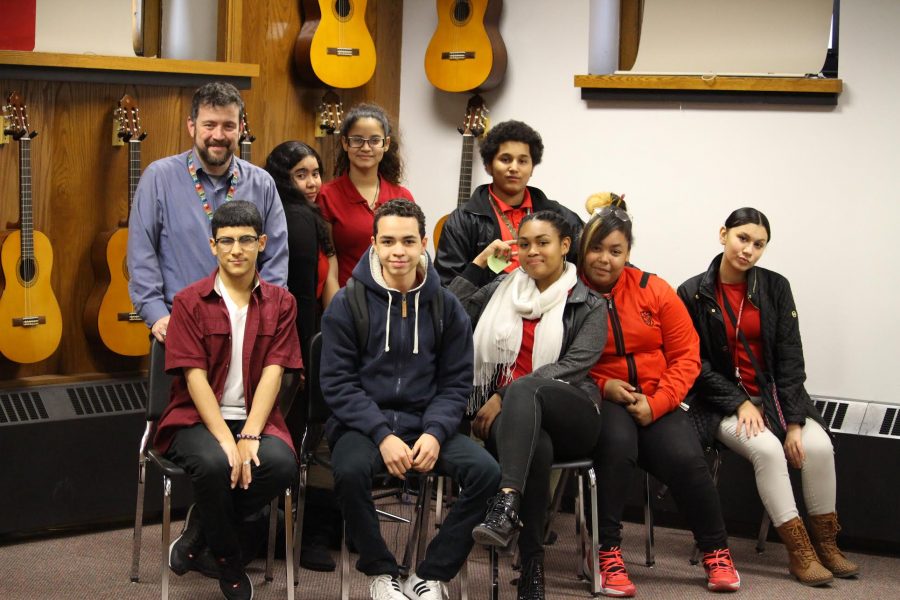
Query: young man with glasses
x=510, y=151
x=231, y=335
x=175, y=200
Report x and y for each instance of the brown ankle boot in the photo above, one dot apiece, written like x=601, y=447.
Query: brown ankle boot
x=804, y=564
x=823, y=530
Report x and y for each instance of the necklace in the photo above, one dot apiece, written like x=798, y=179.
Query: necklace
x=198, y=187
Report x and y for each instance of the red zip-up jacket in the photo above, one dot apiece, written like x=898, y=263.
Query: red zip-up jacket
x=652, y=343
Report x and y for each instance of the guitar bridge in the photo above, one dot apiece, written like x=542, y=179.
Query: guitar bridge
x=29, y=321
x=461, y=55
x=131, y=317
x=343, y=51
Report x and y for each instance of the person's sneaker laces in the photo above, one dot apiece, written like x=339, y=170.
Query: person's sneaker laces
x=501, y=521
x=385, y=587
x=189, y=552
x=614, y=579
x=721, y=576
x=417, y=588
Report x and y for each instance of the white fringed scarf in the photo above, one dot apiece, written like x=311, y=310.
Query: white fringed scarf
x=498, y=336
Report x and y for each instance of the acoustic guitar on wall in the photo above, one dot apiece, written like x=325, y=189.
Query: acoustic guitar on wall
x=109, y=316
x=247, y=139
x=473, y=127
x=334, y=46
x=30, y=319
x=466, y=51
x=329, y=118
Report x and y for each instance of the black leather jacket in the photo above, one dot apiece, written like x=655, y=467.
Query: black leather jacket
x=716, y=394
x=472, y=226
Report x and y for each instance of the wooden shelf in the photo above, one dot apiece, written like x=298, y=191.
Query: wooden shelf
x=49, y=66
x=793, y=90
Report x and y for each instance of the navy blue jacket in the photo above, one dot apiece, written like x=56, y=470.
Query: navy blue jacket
x=389, y=387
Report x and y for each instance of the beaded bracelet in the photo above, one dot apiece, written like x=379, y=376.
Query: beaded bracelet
x=248, y=436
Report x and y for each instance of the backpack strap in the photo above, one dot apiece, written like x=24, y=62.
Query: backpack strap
x=356, y=296
x=645, y=278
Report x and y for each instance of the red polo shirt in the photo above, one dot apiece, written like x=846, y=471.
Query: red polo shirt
x=351, y=218
x=515, y=216
x=199, y=336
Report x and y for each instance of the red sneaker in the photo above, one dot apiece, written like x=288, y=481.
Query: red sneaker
x=613, y=576
x=721, y=576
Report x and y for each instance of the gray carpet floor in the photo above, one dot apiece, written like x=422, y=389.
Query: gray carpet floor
x=94, y=566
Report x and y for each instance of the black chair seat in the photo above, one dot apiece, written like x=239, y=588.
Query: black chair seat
x=165, y=465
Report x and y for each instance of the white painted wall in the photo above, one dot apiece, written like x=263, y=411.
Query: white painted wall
x=826, y=177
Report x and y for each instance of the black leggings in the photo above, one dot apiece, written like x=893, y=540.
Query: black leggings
x=668, y=449
x=541, y=420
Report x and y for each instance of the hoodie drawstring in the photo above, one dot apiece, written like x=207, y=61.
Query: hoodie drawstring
x=387, y=327
x=416, y=329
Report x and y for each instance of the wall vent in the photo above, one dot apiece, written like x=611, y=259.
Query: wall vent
x=21, y=407
x=840, y=414
x=74, y=401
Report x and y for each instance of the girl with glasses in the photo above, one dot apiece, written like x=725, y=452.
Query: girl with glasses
x=750, y=394
x=367, y=173
x=650, y=360
x=537, y=331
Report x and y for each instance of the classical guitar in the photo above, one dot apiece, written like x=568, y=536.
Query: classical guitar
x=109, y=316
x=247, y=140
x=334, y=47
x=30, y=320
x=466, y=51
x=472, y=127
x=329, y=117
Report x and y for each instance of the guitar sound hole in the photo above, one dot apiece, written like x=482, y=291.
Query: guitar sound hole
x=461, y=11
x=342, y=8
x=27, y=270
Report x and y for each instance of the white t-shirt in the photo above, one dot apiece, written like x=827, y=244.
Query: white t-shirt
x=233, y=406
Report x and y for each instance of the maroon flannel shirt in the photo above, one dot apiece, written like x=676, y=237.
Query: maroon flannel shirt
x=199, y=336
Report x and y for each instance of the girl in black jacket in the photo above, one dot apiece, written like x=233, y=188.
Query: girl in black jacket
x=537, y=333
x=750, y=394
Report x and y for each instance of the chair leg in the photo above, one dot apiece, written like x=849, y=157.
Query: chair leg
x=345, y=568
x=763, y=533
x=418, y=521
x=648, y=522
x=463, y=581
x=580, y=523
x=595, y=534
x=422, y=529
x=166, y=535
x=495, y=573
x=138, y=521
x=301, y=508
x=439, y=501
x=270, y=546
x=289, y=543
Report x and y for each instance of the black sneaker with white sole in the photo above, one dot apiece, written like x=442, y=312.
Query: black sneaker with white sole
x=189, y=552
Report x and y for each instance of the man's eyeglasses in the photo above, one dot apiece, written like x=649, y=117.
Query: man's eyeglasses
x=247, y=242
x=357, y=141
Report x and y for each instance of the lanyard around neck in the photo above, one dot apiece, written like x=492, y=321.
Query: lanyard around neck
x=513, y=231
x=737, y=327
x=198, y=187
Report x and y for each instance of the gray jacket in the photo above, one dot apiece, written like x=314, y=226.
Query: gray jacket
x=585, y=331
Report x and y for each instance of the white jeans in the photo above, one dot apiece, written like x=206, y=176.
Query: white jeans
x=766, y=454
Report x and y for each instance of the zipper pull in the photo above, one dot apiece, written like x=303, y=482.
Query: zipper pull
x=403, y=306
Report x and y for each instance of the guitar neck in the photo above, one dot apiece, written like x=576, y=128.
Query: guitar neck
x=134, y=169
x=26, y=213
x=465, y=170
x=245, y=150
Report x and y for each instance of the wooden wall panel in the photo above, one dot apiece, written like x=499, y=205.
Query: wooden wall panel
x=80, y=179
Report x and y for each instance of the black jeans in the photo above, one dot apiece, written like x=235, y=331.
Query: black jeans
x=668, y=449
x=542, y=420
x=221, y=509
x=355, y=460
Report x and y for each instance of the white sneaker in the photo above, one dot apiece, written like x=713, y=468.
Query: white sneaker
x=385, y=587
x=417, y=588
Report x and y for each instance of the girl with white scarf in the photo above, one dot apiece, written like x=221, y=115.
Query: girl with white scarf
x=538, y=331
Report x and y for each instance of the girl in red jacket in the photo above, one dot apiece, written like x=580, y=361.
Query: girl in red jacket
x=649, y=363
